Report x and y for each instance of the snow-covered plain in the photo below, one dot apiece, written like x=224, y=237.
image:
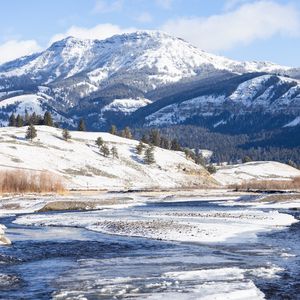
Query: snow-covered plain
x=264, y=170
x=81, y=166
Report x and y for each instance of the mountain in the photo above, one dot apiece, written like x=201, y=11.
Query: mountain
x=149, y=78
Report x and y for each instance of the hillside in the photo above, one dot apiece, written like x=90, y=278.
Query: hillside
x=265, y=170
x=81, y=165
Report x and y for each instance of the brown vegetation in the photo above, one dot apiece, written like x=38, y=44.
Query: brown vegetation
x=19, y=181
x=268, y=185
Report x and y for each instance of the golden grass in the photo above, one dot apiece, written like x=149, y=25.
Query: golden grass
x=265, y=185
x=19, y=181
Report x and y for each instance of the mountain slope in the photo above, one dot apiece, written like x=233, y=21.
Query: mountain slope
x=79, y=162
x=256, y=96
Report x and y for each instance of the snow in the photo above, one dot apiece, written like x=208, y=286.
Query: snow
x=200, y=226
x=294, y=123
x=3, y=239
x=140, y=52
x=269, y=170
x=251, y=94
x=81, y=165
x=31, y=102
x=126, y=106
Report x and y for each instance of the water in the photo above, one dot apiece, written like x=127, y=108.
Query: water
x=74, y=263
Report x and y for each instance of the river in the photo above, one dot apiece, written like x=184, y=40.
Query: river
x=75, y=263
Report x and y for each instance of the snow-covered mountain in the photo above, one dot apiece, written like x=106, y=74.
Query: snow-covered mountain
x=219, y=106
x=104, y=81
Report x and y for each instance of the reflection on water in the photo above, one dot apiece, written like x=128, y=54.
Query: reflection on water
x=73, y=263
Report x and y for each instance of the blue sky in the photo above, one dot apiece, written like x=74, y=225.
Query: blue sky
x=239, y=29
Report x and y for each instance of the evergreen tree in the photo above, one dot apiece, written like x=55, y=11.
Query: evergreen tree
x=175, y=145
x=31, y=132
x=165, y=143
x=246, y=159
x=154, y=137
x=144, y=139
x=114, y=152
x=199, y=159
x=104, y=150
x=149, y=156
x=33, y=119
x=48, y=121
x=81, y=125
x=66, y=134
x=211, y=169
x=113, y=130
x=127, y=133
x=19, y=121
x=189, y=153
x=12, y=120
x=99, y=142
x=27, y=117
x=292, y=164
x=140, y=147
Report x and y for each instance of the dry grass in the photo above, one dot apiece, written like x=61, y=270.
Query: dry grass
x=268, y=185
x=19, y=181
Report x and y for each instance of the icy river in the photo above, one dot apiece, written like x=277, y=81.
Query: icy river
x=141, y=252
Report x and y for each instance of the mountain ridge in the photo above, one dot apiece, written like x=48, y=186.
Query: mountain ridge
x=114, y=80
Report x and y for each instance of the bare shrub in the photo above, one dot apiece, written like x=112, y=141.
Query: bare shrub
x=19, y=181
x=265, y=185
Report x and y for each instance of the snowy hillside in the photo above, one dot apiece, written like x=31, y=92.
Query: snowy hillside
x=255, y=171
x=265, y=93
x=79, y=162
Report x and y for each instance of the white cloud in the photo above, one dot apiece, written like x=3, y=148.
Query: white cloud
x=166, y=4
x=145, y=18
x=13, y=49
x=101, y=31
x=249, y=22
x=103, y=6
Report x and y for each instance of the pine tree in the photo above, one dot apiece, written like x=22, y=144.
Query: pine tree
x=27, y=117
x=19, y=121
x=114, y=152
x=140, y=147
x=33, y=119
x=211, y=169
x=199, y=159
x=144, y=139
x=99, y=142
x=81, y=125
x=292, y=164
x=47, y=120
x=113, y=130
x=175, y=145
x=12, y=120
x=127, y=133
x=66, y=134
x=154, y=137
x=149, y=156
x=104, y=150
x=246, y=159
x=31, y=132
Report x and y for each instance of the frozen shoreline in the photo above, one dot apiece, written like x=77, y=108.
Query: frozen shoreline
x=203, y=226
x=3, y=239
